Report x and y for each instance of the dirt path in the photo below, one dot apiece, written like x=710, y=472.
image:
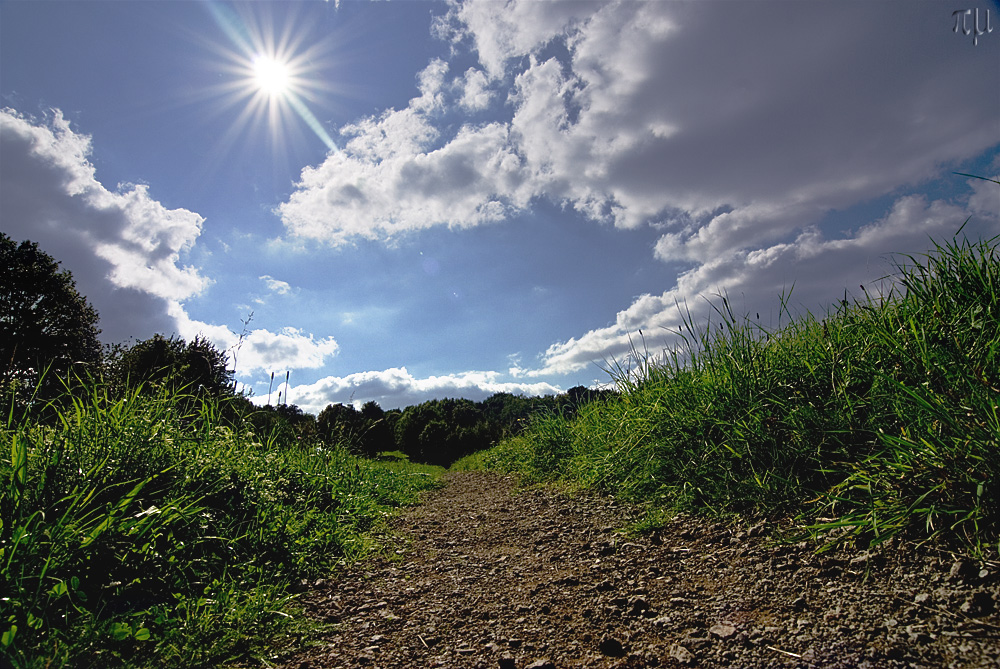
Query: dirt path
x=489, y=576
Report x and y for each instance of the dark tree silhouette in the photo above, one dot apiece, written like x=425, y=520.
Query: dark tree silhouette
x=441, y=431
x=45, y=324
x=195, y=367
x=341, y=424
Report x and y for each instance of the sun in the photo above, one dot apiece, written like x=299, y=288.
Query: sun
x=271, y=76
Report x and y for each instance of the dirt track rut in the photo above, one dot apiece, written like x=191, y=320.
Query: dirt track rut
x=485, y=575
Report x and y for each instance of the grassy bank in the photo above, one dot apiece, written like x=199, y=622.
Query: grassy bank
x=147, y=531
x=879, y=418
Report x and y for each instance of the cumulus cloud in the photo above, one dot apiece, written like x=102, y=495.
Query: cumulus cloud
x=617, y=123
x=123, y=247
x=397, y=387
x=381, y=190
x=290, y=348
x=260, y=350
x=476, y=95
x=734, y=129
x=809, y=271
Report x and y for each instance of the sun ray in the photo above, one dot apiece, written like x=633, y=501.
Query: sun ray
x=272, y=74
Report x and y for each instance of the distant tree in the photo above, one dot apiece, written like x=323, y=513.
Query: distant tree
x=283, y=425
x=45, y=324
x=378, y=434
x=341, y=424
x=372, y=411
x=441, y=431
x=195, y=367
x=576, y=397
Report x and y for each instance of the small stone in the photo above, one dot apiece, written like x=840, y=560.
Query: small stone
x=541, y=664
x=465, y=651
x=637, y=605
x=697, y=642
x=681, y=654
x=921, y=598
x=722, y=630
x=612, y=647
x=960, y=568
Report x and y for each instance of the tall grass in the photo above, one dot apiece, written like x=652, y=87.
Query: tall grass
x=883, y=414
x=144, y=531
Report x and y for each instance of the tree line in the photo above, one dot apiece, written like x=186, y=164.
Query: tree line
x=49, y=349
x=441, y=431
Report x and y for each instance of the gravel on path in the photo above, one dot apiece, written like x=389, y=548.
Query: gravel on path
x=486, y=575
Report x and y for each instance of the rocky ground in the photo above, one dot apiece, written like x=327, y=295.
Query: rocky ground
x=487, y=575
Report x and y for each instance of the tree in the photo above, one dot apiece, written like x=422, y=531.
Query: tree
x=45, y=324
x=379, y=435
x=341, y=424
x=196, y=367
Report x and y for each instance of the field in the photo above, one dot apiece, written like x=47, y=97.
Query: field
x=152, y=528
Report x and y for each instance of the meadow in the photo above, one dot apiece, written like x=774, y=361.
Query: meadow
x=146, y=526
x=149, y=530
x=878, y=419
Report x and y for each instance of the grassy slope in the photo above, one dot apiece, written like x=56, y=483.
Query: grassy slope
x=882, y=416
x=142, y=532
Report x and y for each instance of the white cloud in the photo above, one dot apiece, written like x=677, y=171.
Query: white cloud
x=733, y=128
x=260, y=349
x=288, y=349
x=502, y=31
x=396, y=387
x=381, y=190
x=619, y=124
x=476, y=95
x=123, y=247
x=276, y=285
x=812, y=271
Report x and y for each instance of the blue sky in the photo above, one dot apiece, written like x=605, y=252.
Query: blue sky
x=453, y=199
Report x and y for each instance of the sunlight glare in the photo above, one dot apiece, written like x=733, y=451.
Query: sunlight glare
x=275, y=76
x=271, y=75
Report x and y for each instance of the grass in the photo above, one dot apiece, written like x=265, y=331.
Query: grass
x=145, y=532
x=880, y=418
